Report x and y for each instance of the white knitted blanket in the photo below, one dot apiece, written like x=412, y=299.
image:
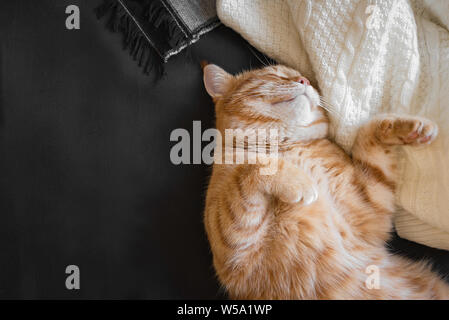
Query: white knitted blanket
x=368, y=57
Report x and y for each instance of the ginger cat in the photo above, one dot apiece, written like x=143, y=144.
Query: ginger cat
x=311, y=229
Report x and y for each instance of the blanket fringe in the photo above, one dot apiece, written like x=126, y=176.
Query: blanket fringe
x=159, y=15
x=134, y=40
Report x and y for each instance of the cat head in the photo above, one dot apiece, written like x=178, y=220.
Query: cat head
x=274, y=97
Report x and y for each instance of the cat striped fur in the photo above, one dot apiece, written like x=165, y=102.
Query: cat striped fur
x=311, y=229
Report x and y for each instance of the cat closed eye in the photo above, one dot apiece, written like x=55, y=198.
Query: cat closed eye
x=283, y=101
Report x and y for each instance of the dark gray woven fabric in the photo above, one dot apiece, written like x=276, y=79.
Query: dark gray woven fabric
x=195, y=13
x=155, y=30
x=196, y=16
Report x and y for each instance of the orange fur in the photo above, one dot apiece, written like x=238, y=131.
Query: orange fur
x=310, y=230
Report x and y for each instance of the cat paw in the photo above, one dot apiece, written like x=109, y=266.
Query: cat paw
x=291, y=184
x=406, y=130
x=309, y=195
x=299, y=193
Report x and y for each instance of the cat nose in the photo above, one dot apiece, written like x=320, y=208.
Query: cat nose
x=302, y=80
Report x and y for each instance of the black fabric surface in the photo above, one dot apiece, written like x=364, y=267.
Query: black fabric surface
x=85, y=173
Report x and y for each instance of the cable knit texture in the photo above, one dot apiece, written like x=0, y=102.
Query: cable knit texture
x=368, y=57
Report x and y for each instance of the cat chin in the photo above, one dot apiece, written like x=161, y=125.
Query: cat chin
x=303, y=110
x=313, y=96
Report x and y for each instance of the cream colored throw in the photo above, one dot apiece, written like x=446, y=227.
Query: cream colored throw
x=369, y=57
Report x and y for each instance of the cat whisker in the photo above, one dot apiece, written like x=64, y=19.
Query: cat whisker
x=329, y=107
x=257, y=57
x=330, y=110
x=268, y=61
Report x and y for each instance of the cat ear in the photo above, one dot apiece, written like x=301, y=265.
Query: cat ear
x=216, y=80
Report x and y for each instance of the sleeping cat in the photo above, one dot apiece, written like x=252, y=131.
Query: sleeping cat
x=315, y=227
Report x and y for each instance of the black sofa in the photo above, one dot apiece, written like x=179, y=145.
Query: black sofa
x=85, y=173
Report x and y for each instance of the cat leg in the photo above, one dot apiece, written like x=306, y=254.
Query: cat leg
x=289, y=183
x=241, y=218
x=374, y=153
x=245, y=206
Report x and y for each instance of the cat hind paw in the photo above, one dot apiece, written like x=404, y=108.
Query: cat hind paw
x=407, y=130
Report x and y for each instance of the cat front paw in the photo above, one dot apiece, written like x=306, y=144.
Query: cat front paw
x=295, y=193
x=309, y=195
x=403, y=130
x=292, y=185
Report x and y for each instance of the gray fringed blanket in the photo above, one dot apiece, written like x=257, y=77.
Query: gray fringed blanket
x=155, y=30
